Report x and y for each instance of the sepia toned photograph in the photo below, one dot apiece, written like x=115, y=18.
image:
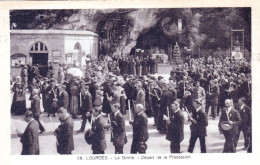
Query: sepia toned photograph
x=130, y=81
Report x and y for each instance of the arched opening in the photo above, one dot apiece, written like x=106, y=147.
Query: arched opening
x=39, y=55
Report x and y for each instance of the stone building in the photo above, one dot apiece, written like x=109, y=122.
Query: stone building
x=57, y=46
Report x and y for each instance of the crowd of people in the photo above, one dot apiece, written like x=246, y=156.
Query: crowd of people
x=196, y=90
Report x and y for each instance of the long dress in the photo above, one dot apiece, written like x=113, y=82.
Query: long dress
x=18, y=104
x=74, y=108
x=61, y=75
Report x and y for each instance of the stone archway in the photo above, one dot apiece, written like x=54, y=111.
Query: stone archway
x=39, y=55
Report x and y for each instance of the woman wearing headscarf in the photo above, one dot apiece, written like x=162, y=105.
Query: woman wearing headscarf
x=18, y=104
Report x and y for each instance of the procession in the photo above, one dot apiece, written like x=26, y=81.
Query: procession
x=141, y=102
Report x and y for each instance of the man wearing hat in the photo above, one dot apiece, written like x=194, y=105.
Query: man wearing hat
x=140, y=131
x=228, y=125
x=199, y=122
x=35, y=108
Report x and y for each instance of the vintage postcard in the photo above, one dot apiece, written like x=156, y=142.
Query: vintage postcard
x=124, y=81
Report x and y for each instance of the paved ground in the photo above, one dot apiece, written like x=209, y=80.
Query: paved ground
x=157, y=144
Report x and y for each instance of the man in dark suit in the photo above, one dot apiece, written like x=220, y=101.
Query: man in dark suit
x=175, y=123
x=232, y=116
x=155, y=94
x=64, y=133
x=140, y=131
x=245, y=125
x=35, y=108
x=30, y=137
x=98, y=132
x=165, y=103
x=118, y=135
x=86, y=108
x=199, y=122
x=93, y=88
x=63, y=97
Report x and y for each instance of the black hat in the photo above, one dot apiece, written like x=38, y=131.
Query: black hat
x=89, y=138
x=160, y=77
x=142, y=147
x=153, y=77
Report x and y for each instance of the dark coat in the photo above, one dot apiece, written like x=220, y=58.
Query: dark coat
x=65, y=136
x=123, y=104
x=144, y=64
x=30, y=139
x=201, y=122
x=92, y=89
x=106, y=108
x=234, y=116
x=118, y=136
x=176, y=127
x=132, y=70
x=63, y=100
x=35, y=106
x=166, y=100
x=214, y=94
x=140, y=131
x=128, y=89
x=99, y=138
x=246, y=116
x=87, y=105
x=155, y=98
